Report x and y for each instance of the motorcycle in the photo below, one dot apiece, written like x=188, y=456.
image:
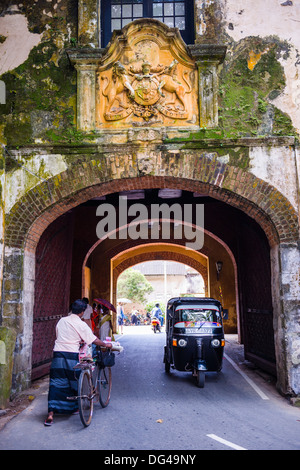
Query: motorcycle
x=155, y=324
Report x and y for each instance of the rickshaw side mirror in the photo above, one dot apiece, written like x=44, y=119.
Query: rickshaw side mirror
x=169, y=313
x=225, y=313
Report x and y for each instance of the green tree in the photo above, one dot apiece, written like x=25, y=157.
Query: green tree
x=134, y=286
x=150, y=306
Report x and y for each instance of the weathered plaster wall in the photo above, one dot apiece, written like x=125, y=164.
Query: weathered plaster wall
x=20, y=181
x=2, y=219
x=40, y=84
x=41, y=93
x=277, y=18
x=19, y=41
x=277, y=166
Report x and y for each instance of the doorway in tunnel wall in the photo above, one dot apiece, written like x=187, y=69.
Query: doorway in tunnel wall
x=52, y=289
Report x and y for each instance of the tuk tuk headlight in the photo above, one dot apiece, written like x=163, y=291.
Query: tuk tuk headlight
x=182, y=343
x=215, y=343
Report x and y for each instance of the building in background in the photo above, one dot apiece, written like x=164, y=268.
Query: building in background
x=170, y=279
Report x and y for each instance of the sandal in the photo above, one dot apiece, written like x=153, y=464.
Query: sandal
x=48, y=422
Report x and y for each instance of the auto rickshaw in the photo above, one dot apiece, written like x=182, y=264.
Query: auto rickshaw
x=194, y=336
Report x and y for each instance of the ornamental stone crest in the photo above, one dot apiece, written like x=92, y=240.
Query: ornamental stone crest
x=146, y=92
x=147, y=76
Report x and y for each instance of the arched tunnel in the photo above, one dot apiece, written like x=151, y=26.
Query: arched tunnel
x=71, y=261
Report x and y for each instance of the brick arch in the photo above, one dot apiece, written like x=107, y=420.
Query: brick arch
x=37, y=209
x=132, y=252
x=165, y=251
x=154, y=251
x=238, y=188
x=162, y=255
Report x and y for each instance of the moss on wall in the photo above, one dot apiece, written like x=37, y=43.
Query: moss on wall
x=251, y=79
x=40, y=97
x=8, y=336
x=41, y=92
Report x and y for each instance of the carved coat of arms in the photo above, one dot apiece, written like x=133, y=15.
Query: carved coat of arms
x=147, y=78
x=142, y=91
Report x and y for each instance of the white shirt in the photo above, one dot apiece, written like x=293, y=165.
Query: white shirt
x=70, y=331
x=88, y=312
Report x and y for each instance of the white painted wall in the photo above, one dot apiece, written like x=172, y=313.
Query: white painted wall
x=271, y=18
x=19, y=40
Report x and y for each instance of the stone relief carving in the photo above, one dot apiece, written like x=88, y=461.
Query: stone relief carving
x=114, y=92
x=148, y=77
x=142, y=91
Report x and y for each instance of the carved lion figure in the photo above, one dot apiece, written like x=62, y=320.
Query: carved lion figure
x=171, y=84
x=116, y=86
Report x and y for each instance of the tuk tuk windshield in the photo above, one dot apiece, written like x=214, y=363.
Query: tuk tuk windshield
x=196, y=316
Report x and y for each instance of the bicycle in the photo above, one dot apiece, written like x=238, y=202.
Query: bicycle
x=95, y=381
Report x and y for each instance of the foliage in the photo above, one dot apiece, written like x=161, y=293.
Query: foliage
x=134, y=286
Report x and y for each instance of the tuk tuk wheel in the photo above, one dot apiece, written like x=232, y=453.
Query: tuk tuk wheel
x=167, y=366
x=200, y=378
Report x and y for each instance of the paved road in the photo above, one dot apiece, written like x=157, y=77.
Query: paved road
x=150, y=410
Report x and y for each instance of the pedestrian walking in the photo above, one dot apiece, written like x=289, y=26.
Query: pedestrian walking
x=70, y=332
x=120, y=317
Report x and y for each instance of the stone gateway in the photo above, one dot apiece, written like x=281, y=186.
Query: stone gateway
x=194, y=104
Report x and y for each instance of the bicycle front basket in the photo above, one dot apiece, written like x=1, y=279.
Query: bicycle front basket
x=106, y=359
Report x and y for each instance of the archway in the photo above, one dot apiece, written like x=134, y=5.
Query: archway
x=34, y=225
x=161, y=251
x=204, y=262
x=168, y=278
x=266, y=342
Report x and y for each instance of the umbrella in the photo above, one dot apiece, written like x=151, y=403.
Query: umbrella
x=106, y=304
x=124, y=301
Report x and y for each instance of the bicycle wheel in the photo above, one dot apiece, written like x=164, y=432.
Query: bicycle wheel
x=85, y=400
x=104, y=384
